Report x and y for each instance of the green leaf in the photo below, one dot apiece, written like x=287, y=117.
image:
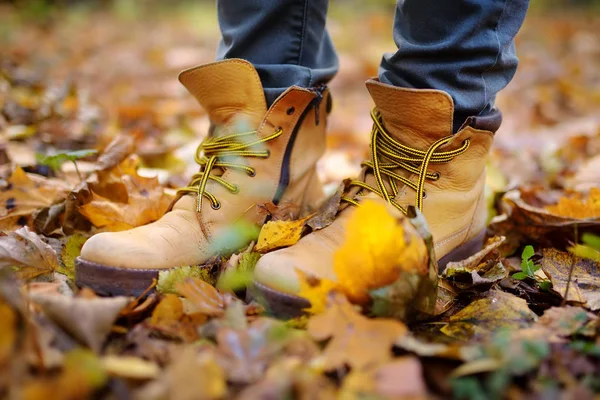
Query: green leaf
x=592, y=241
x=526, y=264
x=55, y=161
x=520, y=276
x=545, y=285
x=241, y=276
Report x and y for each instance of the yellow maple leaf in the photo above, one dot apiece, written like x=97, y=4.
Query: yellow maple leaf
x=315, y=291
x=378, y=246
x=277, y=234
x=578, y=207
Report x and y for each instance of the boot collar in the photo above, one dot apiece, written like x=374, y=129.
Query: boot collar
x=230, y=91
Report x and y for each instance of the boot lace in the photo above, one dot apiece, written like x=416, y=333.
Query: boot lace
x=215, y=152
x=388, y=155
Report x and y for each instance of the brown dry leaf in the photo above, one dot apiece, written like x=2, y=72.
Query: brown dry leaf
x=328, y=211
x=276, y=234
x=246, y=353
x=115, y=152
x=195, y=376
x=484, y=267
x=170, y=319
x=487, y=315
x=380, y=246
x=25, y=194
x=8, y=335
x=289, y=378
x=398, y=379
x=563, y=321
x=577, y=206
x=537, y=223
x=355, y=340
x=26, y=250
x=584, y=285
x=88, y=320
x=204, y=298
x=147, y=202
x=285, y=211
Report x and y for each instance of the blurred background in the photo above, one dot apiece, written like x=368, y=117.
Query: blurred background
x=73, y=74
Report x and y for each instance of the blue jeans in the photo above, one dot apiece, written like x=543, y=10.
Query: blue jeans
x=463, y=47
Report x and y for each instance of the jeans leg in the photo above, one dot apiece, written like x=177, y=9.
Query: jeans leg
x=285, y=40
x=463, y=47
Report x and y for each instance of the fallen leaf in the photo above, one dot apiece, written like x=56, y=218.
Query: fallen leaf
x=204, y=298
x=581, y=276
x=69, y=253
x=563, y=321
x=147, y=202
x=130, y=367
x=88, y=320
x=484, y=267
x=27, y=251
x=285, y=211
x=495, y=311
x=25, y=194
x=115, y=152
x=577, y=206
x=328, y=211
x=245, y=354
x=316, y=291
x=523, y=221
x=380, y=246
x=398, y=379
x=354, y=340
x=195, y=376
x=277, y=234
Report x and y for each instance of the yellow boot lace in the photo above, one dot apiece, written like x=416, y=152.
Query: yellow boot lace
x=213, y=153
x=388, y=155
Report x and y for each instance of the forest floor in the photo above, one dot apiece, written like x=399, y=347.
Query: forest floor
x=89, y=97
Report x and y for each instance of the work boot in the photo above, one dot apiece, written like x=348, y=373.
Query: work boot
x=415, y=160
x=253, y=156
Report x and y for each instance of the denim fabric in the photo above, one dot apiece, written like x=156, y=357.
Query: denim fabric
x=285, y=40
x=463, y=47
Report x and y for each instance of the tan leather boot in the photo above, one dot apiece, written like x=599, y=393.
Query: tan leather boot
x=415, y=160
x=252, y=157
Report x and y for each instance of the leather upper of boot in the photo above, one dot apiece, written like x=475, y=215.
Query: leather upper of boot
x=453, y=203
x=194, y=230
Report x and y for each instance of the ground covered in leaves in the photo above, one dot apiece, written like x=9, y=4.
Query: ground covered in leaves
x=96, y=135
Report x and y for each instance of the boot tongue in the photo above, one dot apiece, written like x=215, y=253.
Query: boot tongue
x=230, y=91
x=415, y=117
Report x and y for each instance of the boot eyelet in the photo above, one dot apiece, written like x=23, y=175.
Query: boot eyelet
x=424, y=195
x=290, y=110
x=252, y=173
x=268, y=153
x=236, y=189
x=437, y=176
x=215, y=206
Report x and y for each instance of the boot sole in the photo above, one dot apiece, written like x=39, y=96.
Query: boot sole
x=111, y=281
x=285, y=305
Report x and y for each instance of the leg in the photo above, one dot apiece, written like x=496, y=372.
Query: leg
x=463, y=47
x=286, y=40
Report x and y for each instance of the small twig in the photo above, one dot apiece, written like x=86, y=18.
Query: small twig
x=77, y=170
x=570, y=271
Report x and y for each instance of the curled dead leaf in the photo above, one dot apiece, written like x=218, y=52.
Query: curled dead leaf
x=26, y=250
x=277, y=234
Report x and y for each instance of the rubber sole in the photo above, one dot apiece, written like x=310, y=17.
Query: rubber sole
x=284, y=305
x=112, y=281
